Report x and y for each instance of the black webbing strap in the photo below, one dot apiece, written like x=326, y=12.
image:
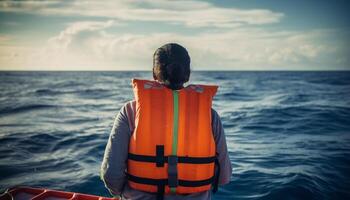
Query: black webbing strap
x=159, y=158
x=147, y=181
x=157, y=182
x=181, y=159
x=216, y=175
x=204, y=182
x=160, y=191
x=172, y=171
x=172, y=161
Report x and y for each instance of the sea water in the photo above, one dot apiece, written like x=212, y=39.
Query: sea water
x=288, y=133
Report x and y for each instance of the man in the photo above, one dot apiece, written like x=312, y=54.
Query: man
x=167, y=143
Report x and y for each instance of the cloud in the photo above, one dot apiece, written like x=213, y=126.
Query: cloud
x=189, y=13
x=92, y=45
x=89, y=45
x=233, y=38
x=65, y=37
x=4, y=39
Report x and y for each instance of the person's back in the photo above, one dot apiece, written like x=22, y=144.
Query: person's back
x=167, y=142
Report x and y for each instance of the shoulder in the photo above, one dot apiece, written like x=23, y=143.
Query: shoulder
x=214, y=114
x=216, y=124
x=129, y=110
x=215, y=118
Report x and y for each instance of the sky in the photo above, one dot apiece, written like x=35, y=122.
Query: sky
x=219, y=35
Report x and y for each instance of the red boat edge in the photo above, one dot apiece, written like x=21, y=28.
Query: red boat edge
x=29, y=193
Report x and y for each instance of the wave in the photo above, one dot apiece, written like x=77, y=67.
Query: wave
x=48, y=92
x=287, y=133
x=236, y=96
x=26, y=108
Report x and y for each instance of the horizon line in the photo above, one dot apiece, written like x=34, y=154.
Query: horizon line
x=221, y=70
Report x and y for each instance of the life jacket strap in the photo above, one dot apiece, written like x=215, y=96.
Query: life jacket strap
x=216, y=175
x=180, y=159
x=159, y=159
x=160, y=191
x=172, y=171
x=156, y=182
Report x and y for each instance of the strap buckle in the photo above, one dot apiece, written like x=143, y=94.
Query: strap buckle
x=172, y=171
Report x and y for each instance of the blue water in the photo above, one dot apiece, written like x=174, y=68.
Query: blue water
x=288, y=133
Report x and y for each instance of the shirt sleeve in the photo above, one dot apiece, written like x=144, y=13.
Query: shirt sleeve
x=114, y=162
x=221, y=149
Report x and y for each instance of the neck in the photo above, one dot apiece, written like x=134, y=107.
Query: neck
x=174, y=86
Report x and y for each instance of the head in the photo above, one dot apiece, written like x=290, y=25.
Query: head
x=171, y=65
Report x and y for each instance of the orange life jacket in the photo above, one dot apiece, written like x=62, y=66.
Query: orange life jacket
x=172, y=148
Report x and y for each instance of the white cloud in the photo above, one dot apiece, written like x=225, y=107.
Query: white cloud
x=65, y=37
x=190, y=13
x=4, y=39
x=88, y=45
x=92, y=45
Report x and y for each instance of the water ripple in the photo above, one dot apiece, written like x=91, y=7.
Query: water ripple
x=287, y=132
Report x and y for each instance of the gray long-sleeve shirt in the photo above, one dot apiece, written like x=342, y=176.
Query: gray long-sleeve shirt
x=114, y=163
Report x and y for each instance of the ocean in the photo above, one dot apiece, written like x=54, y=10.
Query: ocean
x=288, y=133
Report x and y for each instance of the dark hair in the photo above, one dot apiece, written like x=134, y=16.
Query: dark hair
x=171, y=65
